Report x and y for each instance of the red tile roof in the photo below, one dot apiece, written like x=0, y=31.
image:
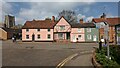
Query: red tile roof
x=43, y=24
x=111, y=21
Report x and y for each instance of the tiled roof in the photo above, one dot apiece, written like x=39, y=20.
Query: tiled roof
x=84, y=25
x=111, y=21
x=12, y=30
x=39, y=24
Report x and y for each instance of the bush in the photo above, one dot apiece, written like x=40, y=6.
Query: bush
x=107, y=63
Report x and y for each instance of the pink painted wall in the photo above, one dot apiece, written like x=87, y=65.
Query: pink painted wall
x=74, y=34
x=43, y=34
x=57, y=38
x=62, y=22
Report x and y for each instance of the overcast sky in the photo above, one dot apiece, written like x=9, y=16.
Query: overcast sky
x=34, y=9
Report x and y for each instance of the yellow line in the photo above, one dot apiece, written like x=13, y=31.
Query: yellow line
x=66, y=60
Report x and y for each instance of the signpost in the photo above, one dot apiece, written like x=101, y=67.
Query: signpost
x=105, y=25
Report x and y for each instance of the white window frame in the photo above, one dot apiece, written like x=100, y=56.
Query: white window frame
x=38, y=30
x=88, y=29
x=89, y=37
x=48, y=36
x=38, y=35
x=79, y=29
x=62, y=27
x=27, y=37
x=48, y=30
x=27, y=30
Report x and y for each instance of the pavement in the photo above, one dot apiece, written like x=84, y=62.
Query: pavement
x=47, y=54
x=80, y=61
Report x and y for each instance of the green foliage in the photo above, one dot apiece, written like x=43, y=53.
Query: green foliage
x=107, y=63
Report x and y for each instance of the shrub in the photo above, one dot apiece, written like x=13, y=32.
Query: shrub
x=107, y=63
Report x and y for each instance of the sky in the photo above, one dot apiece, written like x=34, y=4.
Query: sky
x=28, y=10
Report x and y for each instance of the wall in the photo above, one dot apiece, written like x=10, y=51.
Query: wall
x=62, y=22
x=3, y=34
x=43, y=34
x=94, y=32
x=74, y=35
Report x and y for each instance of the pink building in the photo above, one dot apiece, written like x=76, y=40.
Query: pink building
x=38, y=30
x=62, y=30
x=50, y=30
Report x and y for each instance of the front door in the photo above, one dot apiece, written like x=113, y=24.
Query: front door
x=68, y=36
x=94, y=38
x=74, y=38
x=33, y=37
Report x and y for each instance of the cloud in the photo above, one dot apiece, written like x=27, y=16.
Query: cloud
x=39, y=10
x=61, y=0
x=81, y=16
x=89, y=19
x=5, y=9
x=50, y=0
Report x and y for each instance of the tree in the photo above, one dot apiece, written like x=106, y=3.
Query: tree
x=69, y=15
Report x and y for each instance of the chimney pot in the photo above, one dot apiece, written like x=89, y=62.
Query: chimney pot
x=53, y=19
x=81, y=21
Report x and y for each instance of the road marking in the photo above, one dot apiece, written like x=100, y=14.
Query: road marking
x=60, y=65
x=66, y=60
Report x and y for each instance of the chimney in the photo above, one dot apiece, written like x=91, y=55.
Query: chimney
x=103, y=16
x=53, y=19
x=81, y=21
x=33, y=19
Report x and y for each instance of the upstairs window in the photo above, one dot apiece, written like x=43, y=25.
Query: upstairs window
x=79, y=29
x=62, y=27
x=38, y=29
x=48, y=30
x=88, y=29
x=27, y=30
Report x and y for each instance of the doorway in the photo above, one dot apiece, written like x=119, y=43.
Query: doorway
x=33, y=37
x=68, y=35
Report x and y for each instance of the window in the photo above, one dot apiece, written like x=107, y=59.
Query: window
x=60, y=35
x=79, y=37
x=88, y=29
x=88, y=36
x=27, y=36
x=48, y=36
x=27, y=30
x=38, y=29
x=79, y=29
x=62, y=27
x=38, y=36
x=48, y=30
